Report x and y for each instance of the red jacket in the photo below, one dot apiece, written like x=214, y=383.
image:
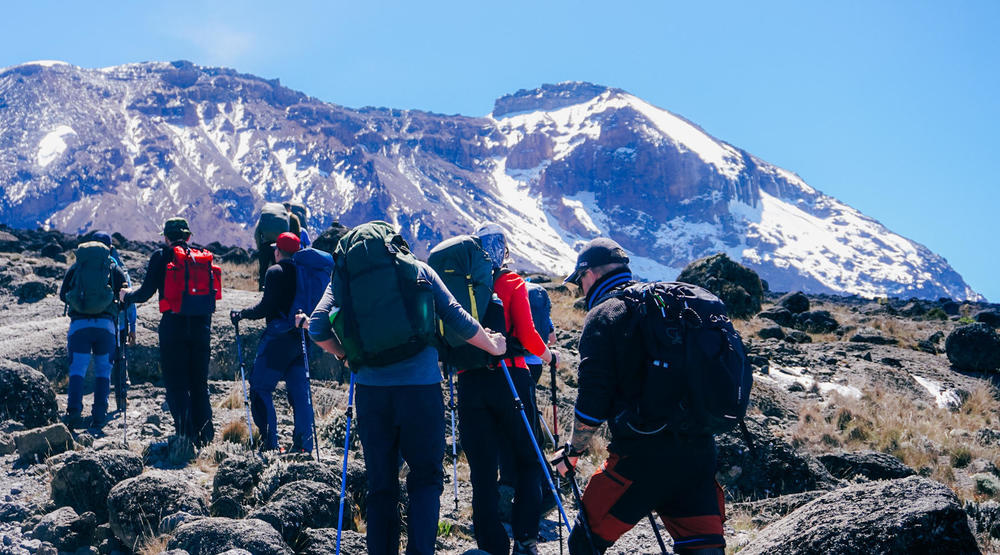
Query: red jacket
x=517, y=314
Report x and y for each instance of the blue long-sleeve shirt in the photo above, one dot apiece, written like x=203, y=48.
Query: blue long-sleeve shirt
x=420, y=369
x=128, y=318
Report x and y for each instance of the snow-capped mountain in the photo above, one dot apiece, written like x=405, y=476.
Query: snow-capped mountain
x=125, y=147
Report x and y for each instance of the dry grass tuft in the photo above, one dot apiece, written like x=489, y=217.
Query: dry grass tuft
x=564, y=314
x=933, y=441
x=235, y=398
x=236, y=432
x=239, y=276
x=153, y=545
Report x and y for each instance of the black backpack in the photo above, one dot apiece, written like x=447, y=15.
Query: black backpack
x=695, y=379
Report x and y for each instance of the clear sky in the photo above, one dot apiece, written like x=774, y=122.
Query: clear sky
x=891, y=107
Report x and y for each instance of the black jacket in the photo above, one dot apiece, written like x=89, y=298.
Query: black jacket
x=279, y=292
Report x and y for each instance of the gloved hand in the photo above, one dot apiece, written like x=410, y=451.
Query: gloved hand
x=235, y=316
x=554, y=362
x=565, y=459
x=301, y=320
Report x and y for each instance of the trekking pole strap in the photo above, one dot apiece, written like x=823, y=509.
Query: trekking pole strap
x=534, y=443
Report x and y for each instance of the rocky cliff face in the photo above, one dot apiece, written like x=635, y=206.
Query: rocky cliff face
x=125, y=147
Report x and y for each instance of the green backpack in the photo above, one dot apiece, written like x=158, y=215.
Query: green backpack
x=467, y=272
x=90, y=289
x=273, y=222
x=386, y=311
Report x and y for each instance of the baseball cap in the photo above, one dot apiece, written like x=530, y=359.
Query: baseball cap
x=288, y=242
x=101, y=236
x=597, y=252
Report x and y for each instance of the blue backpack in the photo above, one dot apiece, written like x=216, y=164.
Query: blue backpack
x=313, y=268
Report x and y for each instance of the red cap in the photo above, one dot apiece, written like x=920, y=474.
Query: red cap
x=288, y=242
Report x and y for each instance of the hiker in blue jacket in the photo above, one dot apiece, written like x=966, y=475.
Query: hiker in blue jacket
x=279, y=353
x=399, y=414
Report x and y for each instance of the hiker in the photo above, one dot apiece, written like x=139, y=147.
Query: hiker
x=174, y=272
x=301, y=214
x=383, y=302
x=541, y=316
x=89, y=289
x=273, y=221
x=126, y=327
x=671, y=473
x=489, y=423
x=279, y=356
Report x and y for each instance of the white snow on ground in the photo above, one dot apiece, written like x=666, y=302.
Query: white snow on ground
x=788, y=375
x=53, y=144
x=943, y=397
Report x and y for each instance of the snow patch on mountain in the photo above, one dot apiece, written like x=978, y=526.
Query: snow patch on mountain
x=53, y=144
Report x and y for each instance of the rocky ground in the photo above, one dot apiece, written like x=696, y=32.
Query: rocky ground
x=874, y=429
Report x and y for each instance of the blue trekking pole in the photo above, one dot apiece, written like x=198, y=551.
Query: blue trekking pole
x=243, y=379
x=305, y=358
x=454, y=449
x=541, y=458
x=347, y=447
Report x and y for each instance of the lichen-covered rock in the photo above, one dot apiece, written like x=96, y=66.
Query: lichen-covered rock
x=816, y=321
x=779, y=315
x=771, y=332
x=869, y=464
x=41, y=443
x=738, y=286
x=82, y=480
x=26, y=395
x=136, y=505
x=282, y=472
x=974, y=347
x=210, y=536
x=909, y=515
x=65, y=529
x=989, y=317
x=322, y=541
x=795, y=302
x=234, y=483
x=300, y=505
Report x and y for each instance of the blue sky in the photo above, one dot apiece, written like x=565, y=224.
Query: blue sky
x=891, y=107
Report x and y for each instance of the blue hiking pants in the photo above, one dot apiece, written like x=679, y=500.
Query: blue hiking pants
x=89, y=337
x=405, y=420
x=279, y=357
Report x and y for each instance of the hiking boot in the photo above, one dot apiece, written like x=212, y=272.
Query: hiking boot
x=73, y=420
x=525, y=547
x=97, y=422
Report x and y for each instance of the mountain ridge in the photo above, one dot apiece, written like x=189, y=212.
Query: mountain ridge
x=556, y=166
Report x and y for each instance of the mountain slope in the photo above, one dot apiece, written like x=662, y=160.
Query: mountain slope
x=128, y=146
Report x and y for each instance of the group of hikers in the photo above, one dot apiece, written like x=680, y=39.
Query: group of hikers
x=652, y=358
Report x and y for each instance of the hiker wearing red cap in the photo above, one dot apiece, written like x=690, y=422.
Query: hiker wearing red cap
x=278, y=354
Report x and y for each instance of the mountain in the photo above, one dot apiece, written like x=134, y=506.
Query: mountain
x=126, y=147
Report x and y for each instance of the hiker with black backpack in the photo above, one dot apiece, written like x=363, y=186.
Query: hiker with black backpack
x=379, y=312
x=287, y=287
x=662, y=364
x=89, y=289
x=273, y=221
x=489, y=421
x=188, y=283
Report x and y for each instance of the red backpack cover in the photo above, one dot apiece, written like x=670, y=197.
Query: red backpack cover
x=192, y=283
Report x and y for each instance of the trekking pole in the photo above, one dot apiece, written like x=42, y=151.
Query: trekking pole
x=571, y=474
x=454, y=449
x=656, y=530
x=347, y=451
x=554, y=434
x=305, y=357
x=243, y=379
x=531, y=435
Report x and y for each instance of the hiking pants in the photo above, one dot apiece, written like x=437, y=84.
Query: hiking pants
x=279, y=357
x=86, y=337
x=405, y=420
x=185, y=343
x=675, y=477
x=489, y=423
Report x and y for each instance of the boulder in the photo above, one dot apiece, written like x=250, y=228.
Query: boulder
x=869, y=464
x=84, y=479
x=51, y=250
x=974, y=347
x=209, y=536
x=796, y=336
x=767, y=511
x=872, y=337
x=303, y=504
x=989, y=317
x=768, y=468
x=136, y=505
x=66, y=530
x=321, y=541
x=986, y=517
x=779, y=315
x=40, y=443
x=170, y=523
x=950, y=307
x=816, y=321
x=771, y=332
x=283, y=472
x=33, y=291
x=26, y=396
x=908, y=515
x=795, y=302
x=738, y=286
x=235, y=480
x=236, y=255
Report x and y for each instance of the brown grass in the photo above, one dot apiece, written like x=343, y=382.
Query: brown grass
x=239, y=276
x=236, y=432
x=153, y=545
x=934, y=441
x=235, y=398
x=564, y=315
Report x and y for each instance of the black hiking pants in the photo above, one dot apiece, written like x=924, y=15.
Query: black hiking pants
x=185, y=343
x=489, y=423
